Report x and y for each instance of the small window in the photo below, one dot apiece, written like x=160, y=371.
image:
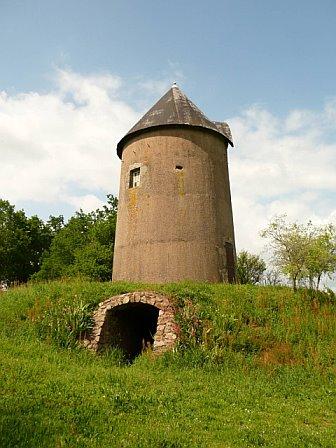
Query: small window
x=134, y=178
x=179, y=167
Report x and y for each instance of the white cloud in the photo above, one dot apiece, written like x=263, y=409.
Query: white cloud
x=56, y=143
x=59, y=147
x=87, y=202
x=282, y=166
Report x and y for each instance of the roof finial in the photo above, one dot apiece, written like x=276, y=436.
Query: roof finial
x=174, y=84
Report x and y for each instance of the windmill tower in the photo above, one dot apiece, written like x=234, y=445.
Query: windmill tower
x=175, y=215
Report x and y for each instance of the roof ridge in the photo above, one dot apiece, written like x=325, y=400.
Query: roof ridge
x=175, y=90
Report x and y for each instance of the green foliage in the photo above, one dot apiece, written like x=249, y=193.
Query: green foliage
x=249, y=268
x=321, y=255
x=31, y=248
x=84, y=246
x=262, y=376
x=302, y=251
x=63, y=323
x=93, y=260
x=23, y=242
x=266, y=325
x=61, y=312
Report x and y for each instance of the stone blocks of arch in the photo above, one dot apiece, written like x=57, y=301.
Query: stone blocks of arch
x=167, y=330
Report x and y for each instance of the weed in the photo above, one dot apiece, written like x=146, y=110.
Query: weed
x=64, y=324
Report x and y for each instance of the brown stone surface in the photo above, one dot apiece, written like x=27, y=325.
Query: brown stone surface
x=175, y=225
x=167, y=329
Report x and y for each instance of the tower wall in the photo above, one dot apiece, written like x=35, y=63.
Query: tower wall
x=177, y=224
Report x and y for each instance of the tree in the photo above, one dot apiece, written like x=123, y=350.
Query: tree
x=94, y=260
x=14, y=243
x=302, y=251
x=321, y=255
x=249, y=268
x=23, y=241
x=289, y=243
x=83, y=246
x=55, y=224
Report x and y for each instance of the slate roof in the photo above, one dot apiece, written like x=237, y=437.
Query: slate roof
x=175, y=109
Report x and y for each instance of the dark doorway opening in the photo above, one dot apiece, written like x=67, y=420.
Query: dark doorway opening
x=130, y=327
x=230, y=262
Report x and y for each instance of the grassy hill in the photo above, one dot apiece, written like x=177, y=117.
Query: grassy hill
x=255, y=367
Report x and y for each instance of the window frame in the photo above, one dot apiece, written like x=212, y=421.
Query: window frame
x=134, y=178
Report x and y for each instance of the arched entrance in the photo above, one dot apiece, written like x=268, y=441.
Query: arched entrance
x=131, y=327
x=134, y=322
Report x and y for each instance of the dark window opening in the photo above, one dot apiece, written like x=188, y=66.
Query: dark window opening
x=130, y=327
x=179, y=167
x=230, y=262
x=134, y=180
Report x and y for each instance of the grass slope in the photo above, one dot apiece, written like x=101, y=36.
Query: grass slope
x=256, y=367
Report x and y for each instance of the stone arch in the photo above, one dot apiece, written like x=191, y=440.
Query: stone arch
x=133, y=322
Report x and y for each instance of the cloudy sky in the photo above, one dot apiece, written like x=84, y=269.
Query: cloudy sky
x=76, y=75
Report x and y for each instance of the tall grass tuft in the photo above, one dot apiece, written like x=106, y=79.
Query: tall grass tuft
x=64, y=324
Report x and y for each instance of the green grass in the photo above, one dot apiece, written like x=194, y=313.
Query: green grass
x=255, y=367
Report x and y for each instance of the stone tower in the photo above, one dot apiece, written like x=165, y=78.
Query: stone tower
x=175, y=216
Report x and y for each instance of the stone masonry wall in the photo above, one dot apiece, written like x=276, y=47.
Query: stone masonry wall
x=167, y=329
x=176, y=223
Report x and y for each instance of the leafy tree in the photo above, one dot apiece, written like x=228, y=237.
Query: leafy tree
x=321, y=255
x=55, y=224
x=249, y=268
x=23, y=242
x=40, y=237
x=14, y=243
x=289, y=243
x=94, y=260
x=83, y=246
x=302, y=251
x=73, y=235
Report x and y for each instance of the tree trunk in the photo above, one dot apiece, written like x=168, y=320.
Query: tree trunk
x=311, y=282
x=318, y=282
x=294, y=284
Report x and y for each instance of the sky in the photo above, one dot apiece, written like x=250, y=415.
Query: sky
x=76, y=75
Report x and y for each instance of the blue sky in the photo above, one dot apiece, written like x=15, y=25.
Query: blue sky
x=232, y=53
x=76, y=75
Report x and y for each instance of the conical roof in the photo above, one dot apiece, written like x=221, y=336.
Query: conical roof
x=175, y=109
